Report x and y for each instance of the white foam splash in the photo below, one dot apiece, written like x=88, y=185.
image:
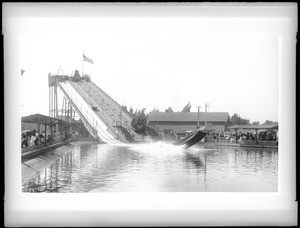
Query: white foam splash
x=157, y=147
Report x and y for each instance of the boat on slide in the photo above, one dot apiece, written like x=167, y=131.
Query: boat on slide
x=190, y=139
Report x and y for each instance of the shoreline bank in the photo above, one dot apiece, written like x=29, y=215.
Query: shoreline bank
x=40, y=159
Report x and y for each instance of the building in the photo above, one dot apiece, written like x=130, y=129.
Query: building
x=42, y=123
x=187, y=121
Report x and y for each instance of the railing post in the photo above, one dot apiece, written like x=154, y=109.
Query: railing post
x=256, y=136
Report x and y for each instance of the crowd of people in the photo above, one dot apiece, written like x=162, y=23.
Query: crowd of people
x=261, y=136
x=33, y=138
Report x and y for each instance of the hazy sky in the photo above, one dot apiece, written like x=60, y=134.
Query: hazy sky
x=157, y=63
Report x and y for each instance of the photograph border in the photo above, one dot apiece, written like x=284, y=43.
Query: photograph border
x=152, y=209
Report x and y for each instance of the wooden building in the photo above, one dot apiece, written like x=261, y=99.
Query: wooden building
x=178, y=122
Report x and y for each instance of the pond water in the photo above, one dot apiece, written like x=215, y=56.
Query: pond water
x=159, y=167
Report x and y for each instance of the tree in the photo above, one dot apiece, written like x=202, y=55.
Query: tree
x=124, y=107
x=270, y=122
x=140, y=121
x=155, y=110
x=236, y=119
x=131, y=110
x=255, y=123
x=245, y=121
x=169, y=109
x=187, y=108
x=142, y=115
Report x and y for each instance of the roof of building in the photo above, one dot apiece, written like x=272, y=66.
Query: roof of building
x=184, y=128
x=177, y=128
x=41, y=119
x=259, y=127
x=187, y=117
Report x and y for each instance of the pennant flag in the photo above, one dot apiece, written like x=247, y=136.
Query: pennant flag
x=87, y=59
x=22, y=72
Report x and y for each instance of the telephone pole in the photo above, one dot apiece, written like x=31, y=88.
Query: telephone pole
x=206, y=106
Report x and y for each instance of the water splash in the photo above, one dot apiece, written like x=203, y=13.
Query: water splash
x=200, y=149
x=161, y=147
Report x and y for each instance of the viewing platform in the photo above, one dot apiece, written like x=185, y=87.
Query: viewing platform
x=244, y=143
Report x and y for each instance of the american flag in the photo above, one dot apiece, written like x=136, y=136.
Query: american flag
x=87, y=59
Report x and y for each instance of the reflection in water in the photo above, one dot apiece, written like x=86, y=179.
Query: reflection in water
x=159, y=167
x=193, y=159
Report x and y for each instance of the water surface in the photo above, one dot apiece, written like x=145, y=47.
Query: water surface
x=159, y=167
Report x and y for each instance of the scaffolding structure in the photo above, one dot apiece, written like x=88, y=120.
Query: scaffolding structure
x=66, y=112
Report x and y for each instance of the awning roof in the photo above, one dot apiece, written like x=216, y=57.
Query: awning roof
x=255, y=127
x=41, y=119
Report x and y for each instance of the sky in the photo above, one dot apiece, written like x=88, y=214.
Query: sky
x=156, y=63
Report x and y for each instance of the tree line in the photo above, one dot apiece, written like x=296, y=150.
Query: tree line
x=141, y=116
x=236, y=119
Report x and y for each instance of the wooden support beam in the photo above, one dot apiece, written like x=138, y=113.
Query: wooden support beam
x=45, y=134
x=256, y=136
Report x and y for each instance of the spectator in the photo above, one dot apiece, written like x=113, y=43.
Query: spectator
x=76, y=135
x=42, y=138
x=24, y=141
x=32, y=140
x=58, y=136
x=64, y=138
x=49, y=139
x=36, y=138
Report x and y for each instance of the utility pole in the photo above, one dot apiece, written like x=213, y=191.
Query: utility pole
x=198, y=124
x=206, y=106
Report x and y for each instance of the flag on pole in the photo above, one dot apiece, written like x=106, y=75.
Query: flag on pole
x=87, y=59
x=22, y=72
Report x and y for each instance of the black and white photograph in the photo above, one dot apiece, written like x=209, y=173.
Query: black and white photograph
x=136, y=105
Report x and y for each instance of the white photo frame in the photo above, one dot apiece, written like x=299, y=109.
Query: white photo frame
x=151, y=209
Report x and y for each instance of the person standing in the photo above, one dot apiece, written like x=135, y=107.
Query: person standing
x=24, y=141
x=32, y=140
x=76, y=135
x=36, y=138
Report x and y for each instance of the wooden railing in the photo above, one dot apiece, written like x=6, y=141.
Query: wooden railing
x=243, y=142
x=268, y=143
x=39, y=146
x=80, y=88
